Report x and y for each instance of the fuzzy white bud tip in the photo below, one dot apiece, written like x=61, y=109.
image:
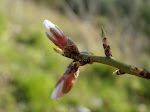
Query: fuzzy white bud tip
x=49, y=25
x=58, y=93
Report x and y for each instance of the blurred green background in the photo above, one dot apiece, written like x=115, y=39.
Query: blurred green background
x=29, y=68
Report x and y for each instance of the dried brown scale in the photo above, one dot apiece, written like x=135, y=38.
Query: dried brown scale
x=108, y=47
x=148, y=75
x=72, y=68
x=104, y=39
x=142, y=72
x=88, y=59
x=145, y=73
x=137, y=70
x=81, y=62
x=71, y=51
x=107, y=51
x=85, y=61
x=104, y=45
x=120, y=72
x=71, y=47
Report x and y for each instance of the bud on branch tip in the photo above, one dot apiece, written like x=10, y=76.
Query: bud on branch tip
x=57, y=36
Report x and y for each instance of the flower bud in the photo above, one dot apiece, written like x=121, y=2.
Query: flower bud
x=65, y=83
x=56, y=35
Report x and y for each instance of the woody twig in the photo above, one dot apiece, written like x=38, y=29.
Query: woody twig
x=68, y=49
x=108, y=52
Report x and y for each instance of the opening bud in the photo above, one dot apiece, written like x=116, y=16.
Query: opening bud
x=65, y=83
x=56, y=35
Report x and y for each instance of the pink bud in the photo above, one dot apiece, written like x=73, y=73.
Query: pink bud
x=63, y=86
x=55, y=34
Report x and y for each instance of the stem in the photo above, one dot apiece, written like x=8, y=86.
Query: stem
x=117, y=64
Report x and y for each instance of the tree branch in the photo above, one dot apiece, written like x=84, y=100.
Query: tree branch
x=108, y=60
x=117, y=64
x=68, y=49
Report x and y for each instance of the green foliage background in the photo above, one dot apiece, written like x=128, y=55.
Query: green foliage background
x=29, y=68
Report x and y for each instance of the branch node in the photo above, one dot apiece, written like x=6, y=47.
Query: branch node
x=118, y=72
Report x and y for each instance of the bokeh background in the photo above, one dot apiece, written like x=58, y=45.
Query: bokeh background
x=29, y=68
